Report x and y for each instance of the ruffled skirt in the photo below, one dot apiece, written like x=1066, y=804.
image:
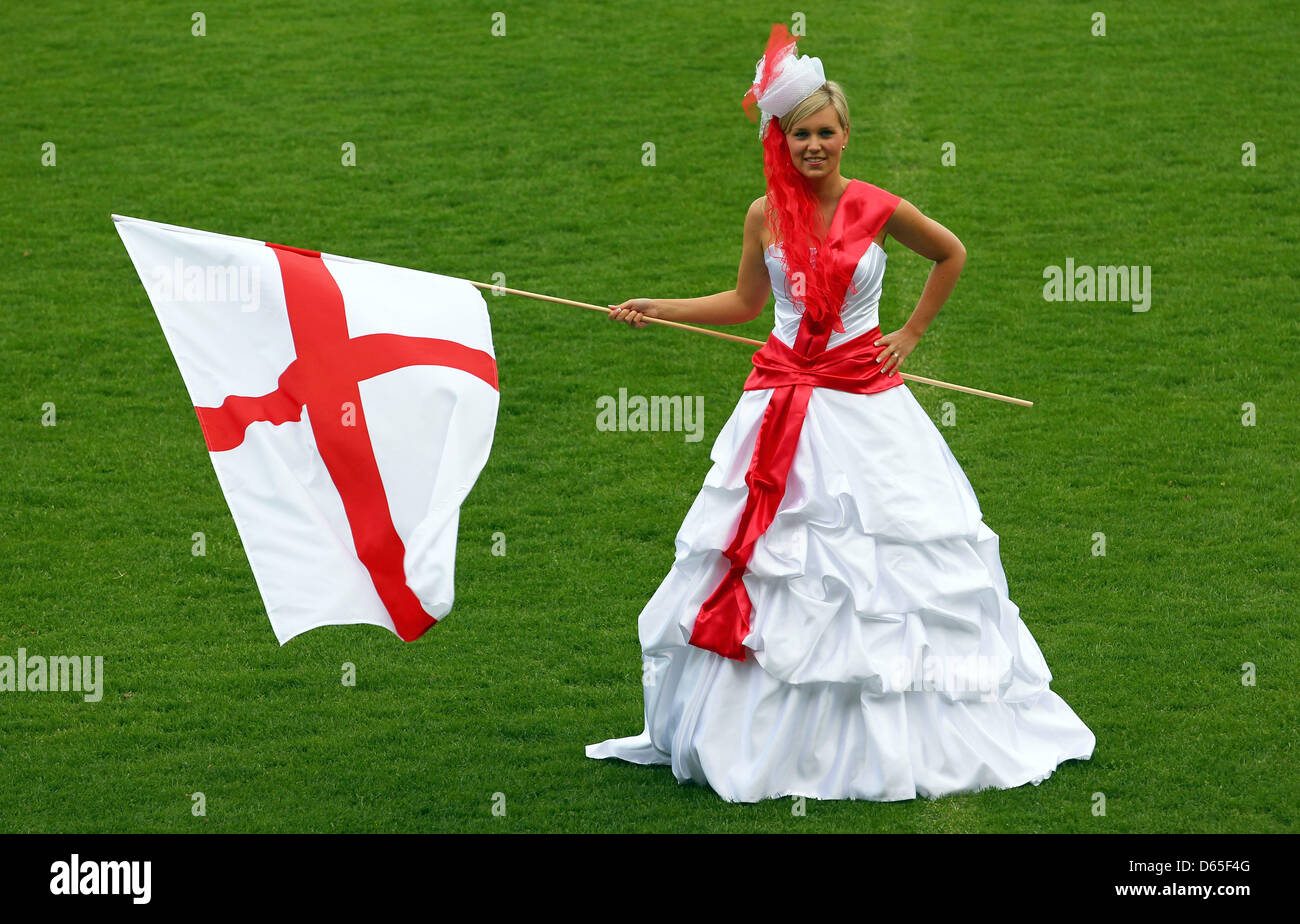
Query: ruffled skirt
x=886, y=658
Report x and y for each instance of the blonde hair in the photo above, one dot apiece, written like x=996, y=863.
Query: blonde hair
x=829, y=93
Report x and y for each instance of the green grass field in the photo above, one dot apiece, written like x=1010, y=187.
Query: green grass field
x=522, y=154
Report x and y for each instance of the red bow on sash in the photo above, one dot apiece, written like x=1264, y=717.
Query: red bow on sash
x=792, y=374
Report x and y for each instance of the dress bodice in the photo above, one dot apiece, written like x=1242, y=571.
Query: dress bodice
x=861, y=308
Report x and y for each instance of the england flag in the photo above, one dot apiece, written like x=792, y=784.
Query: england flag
x=348, y=408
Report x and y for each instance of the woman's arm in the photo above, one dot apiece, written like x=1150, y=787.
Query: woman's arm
x=934, y=242
x=735, y=306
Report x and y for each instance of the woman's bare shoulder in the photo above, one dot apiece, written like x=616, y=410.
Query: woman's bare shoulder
x=756, y=219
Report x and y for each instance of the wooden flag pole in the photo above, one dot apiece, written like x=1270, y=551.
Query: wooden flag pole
x=758, y=343
x=565, y=301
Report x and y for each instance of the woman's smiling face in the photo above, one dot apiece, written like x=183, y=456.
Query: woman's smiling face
x=816, y=142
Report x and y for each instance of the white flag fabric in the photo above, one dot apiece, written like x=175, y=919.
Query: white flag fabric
x=348, y=408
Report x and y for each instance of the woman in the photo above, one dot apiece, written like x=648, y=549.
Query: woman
x=836, y=621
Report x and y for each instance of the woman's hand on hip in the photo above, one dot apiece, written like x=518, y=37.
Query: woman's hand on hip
x=897, y=347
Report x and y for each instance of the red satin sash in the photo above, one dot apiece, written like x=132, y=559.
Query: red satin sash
x=851, y=366
x=792, y=374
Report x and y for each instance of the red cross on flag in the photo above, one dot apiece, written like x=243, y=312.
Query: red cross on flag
x=348, y=408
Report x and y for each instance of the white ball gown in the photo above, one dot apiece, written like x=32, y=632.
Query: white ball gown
x=885, y=658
